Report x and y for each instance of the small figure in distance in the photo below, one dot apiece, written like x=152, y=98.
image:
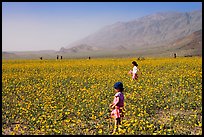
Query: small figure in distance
x=174, y=55
x=134, y=71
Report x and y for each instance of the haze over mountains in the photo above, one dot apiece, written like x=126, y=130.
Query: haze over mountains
x=158, y=33
x=149, y=31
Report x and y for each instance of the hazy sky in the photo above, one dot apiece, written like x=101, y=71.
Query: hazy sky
x=35, y=26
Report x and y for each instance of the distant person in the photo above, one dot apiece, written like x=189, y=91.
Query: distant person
x=89, y=57
x=134, y=71
x=174, y=55
x=117, y=105
x=57, y=56
x=61, y=57
x=40, y=58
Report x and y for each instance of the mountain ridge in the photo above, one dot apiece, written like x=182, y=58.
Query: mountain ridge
x=148, y=31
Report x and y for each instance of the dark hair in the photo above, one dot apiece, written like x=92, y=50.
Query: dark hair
x=119, y=85
x=121, y=89
x=135, y=63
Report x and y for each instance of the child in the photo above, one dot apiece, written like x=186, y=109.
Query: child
x=117, y=105
x=134, y=71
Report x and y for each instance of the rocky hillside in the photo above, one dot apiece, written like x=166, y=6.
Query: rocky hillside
x=190, y=45
x=150, y=31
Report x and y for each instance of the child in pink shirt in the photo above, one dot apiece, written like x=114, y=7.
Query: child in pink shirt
x=118, y=104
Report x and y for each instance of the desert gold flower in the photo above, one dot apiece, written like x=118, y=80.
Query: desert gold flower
x=72, y=96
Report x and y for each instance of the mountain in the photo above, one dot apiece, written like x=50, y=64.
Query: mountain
x=81, y=47
x=29, y=54
x=150, y=31
x=188, y=45
x=8, y=55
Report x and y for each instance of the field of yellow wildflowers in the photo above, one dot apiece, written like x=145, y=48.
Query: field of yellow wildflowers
x=72, y=96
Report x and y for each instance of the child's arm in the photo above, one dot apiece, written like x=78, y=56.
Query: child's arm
x=116, y=100
x=130, y=72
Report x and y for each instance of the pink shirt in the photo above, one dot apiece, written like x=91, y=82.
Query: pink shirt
x=121, y=99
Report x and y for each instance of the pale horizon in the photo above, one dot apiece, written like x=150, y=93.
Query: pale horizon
x=34, y=26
